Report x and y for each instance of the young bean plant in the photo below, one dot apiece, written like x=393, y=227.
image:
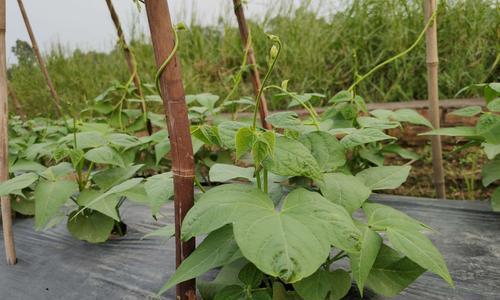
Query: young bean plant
x=292, y=209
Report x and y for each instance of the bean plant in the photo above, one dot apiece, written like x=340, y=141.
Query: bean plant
x=85, y=172
x=486, y=135
x=293, y=210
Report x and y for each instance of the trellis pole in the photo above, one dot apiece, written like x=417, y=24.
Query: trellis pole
x=8, y=234
x=41, y=62
x=15, y=102
x=130, y=58
x=172, y=92
x=433, y=94
x=244, y=33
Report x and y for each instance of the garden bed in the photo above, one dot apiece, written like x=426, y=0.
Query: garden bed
x=54, y=265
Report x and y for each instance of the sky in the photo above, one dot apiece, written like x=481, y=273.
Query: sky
x=86, y=24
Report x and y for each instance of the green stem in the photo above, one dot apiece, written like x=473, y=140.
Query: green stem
x=312, y=112
x=266, y=78
x=239, y=75
x=167, y=61
x=266, y=183
x=388, y=61
x=198, y=184
x=257, y=177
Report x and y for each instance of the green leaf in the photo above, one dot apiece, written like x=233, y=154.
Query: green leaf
x=105, y=155
x=454, y=131
x=494, y=105
x=26, y=166
x=285, y=119
x=291, y=243
x=206, y=134
x=165, y=232
x=227, y=133
x=251, y=276
x=85, y=140
x=392, y=272
x=345, y=190
x=324, y=285
x=469, y=111
x=372, y=155
x=383, y=114
x=161, y=149
x=404, y=153
x=370, y=122
x=23, y=206
x=342, y=96
x=107, y=206
x=488, y=127
x=263, y=146
x=226, y=172
x=495, y=200
x=292, y=158
x=381, y=217
x=326, y=149
x=364, y=136
x=383, y=178
x=50, y=196
x=159, y=188
x=411, y=116
x=110, y=177
x=123, y=140
x=491, y=150
x=420, y=249
x=232, y=292
x=228, y=275
x=58, y=171
x=218, y=248
x=230, y=200
x=362, y=261
x=491, y=171
x=17, y=183
x=92, y=227
x=117, y=189
x=245, y=138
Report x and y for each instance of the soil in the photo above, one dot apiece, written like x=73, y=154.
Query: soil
x=462, y=174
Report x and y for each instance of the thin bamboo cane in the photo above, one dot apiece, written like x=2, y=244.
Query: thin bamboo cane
x=433, y=94
x=129, y=57
x=8, y=234
x=15, y=101
x=41, y=62
x=244, y=33
x=172, y=91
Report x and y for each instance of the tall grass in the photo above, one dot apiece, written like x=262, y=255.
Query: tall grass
x=323, y=52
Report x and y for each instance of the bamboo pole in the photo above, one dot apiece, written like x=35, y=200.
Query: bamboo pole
x=41, y=62
x=8, y=234
x=172, y=91
x=244, y=33
x=15, y=101
x=129, y=57
x=433, y=94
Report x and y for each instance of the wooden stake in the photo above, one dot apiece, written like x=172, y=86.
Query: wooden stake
x=242, y=24
x=17, y=105
x=41, y=62
x=129, y=57
x=172, y=91
x=433, y=94
x=8, y=234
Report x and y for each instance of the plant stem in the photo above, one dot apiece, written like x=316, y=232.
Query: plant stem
x=257, y=177
x=377, y=67
x=266, y=184
x=198, y=184
x=266, y=78
x=312, y=112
